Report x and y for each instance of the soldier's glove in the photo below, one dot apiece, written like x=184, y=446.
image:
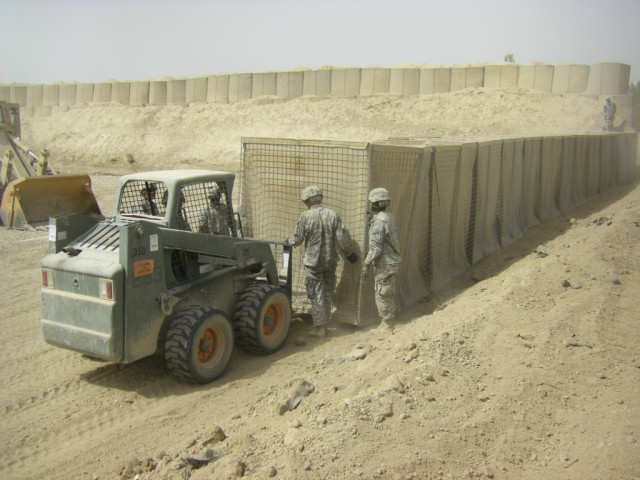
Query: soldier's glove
x=352, y=257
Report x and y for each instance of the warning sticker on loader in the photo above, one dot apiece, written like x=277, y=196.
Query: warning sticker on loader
x=153, y=242
x=142, y=268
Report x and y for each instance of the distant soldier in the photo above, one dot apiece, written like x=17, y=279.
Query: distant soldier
x=609, y=114
x=321, y=230
x=384, y=254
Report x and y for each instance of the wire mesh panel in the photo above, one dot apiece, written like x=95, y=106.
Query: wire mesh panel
x=550, y=177
x=513, y=181
x=606, y=169
x=568, y=178
x=486, y=237
x=274, y=171
x=531, y=201
x=624, y=153
x=594, y=156
x=204, y=207
x=582, y=169
x=451, y=182
x=405, y=172
x=465, y=214
x=139, y=197
x=455, y=202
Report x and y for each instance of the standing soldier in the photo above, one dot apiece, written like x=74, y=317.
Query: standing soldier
x=384, y=254
x=321, y=230
x=609, y=114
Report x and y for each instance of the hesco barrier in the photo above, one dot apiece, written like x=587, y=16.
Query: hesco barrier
x=456, y=201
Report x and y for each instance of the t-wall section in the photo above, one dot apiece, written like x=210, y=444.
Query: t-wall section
x=456, y=202
x=602, y=79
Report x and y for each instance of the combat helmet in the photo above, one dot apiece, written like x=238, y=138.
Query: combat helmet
x=310, y=192
x=379, y=195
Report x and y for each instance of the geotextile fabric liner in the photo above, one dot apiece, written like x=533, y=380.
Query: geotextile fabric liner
x=456, y=201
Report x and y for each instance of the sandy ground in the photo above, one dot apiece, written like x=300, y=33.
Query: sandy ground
x=528, y=367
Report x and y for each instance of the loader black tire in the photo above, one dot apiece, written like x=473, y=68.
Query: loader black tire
x=262, y=319
x=199, y=344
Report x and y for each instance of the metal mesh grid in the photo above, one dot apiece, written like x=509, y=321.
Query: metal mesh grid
x=274, y=171
x=455, y=204
x=142, y=198
x=405, y=172
x=203, y=207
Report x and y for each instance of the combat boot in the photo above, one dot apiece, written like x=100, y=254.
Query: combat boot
x=319, y=331
x=385, y=327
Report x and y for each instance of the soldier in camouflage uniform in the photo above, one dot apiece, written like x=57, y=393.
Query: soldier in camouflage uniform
x=609, y=114
x=215, y=218
x=146, y=203
x=384, y=254
x=321, y=230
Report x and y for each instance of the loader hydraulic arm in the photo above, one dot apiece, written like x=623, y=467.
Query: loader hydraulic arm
x=21, y=162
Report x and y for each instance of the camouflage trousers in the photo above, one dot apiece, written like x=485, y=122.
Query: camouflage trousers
x=320, y=285
x=385, y=288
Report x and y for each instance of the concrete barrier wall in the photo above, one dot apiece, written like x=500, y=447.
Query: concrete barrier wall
x=177, y=92
x=139, y=94
x=102, y=93
x=609, y=79
x=606, y=79
x=34, y=95
x=158, y=93
x=218, y=89
x=19, y=93
x=120, y=92
x=50, y=95
x=197, y=90
x=85, y=93
x=501, y=76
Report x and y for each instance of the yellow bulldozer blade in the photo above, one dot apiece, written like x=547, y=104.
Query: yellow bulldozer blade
x=27, y=202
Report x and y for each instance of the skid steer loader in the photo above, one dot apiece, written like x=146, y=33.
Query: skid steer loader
x=169, y=274
x=30, y=189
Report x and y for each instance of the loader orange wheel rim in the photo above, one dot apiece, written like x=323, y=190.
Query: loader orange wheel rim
x=207, y=345
x=272, y=320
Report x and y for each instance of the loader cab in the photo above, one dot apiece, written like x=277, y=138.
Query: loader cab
x=184, y=200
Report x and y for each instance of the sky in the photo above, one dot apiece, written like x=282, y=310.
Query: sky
x=92, y=41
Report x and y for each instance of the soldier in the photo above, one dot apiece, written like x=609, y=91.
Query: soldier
x=609, y=114
x=215, y=218
x=321, y=230
x=384, y=254
x=146, y=203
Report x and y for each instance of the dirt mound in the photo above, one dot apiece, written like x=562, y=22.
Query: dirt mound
x=115, y=138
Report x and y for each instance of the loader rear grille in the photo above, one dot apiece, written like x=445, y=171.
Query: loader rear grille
x=103, y=236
